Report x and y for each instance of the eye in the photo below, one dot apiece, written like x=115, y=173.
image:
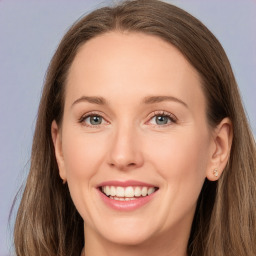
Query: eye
x=92, y=120
x=162, y=118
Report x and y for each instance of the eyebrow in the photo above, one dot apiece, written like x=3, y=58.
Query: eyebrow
x=93, y=100
x=157, y=99
x=146, y=100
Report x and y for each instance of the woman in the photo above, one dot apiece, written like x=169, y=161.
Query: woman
x=141, y=145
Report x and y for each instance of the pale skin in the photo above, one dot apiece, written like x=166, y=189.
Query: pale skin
x=126, y=71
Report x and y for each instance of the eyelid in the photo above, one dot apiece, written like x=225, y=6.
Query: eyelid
x=173, y=118
x=92, y=113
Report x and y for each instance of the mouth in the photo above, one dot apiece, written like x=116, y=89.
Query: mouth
x=127, y=193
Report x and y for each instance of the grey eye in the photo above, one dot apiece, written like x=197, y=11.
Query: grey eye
x=162, y=119
x=95, y=120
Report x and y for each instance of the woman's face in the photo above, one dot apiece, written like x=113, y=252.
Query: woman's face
x=134, y=144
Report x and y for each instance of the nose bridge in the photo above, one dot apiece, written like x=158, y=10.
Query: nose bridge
x=125, y=151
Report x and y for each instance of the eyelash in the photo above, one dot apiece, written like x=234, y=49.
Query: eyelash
x=90, y=114
x=172, y=118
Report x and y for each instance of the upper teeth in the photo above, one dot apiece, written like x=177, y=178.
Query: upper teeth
x=127, y=191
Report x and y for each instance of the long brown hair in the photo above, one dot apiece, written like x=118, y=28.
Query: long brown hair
x=225, y=220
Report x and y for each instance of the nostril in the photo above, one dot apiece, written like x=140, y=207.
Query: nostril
x=131, y=164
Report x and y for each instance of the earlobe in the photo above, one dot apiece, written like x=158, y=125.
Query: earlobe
x=56, y=138
x=222, y=141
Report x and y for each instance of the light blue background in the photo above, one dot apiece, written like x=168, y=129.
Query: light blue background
x=29, y=34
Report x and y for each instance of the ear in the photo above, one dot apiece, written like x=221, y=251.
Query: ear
x=220, y=150
x=56, y=137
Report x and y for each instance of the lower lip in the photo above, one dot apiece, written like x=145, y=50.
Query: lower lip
x=126, y=205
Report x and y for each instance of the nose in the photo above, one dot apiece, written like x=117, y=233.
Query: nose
x=125, y=152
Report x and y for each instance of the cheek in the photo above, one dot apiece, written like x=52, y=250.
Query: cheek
x=82, y=154
x=82, y=158
x=181, y=158
x=180, y=149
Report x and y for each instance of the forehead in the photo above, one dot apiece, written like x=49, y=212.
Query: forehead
x=132, y=64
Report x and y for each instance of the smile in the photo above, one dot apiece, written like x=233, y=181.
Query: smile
x=127, y=193
x=126, y=196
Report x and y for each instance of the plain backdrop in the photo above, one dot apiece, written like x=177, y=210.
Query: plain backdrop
x=29, y=34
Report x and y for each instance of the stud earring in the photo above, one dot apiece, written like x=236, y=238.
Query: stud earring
x=215, y=173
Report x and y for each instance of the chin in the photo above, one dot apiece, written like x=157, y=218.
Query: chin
x=128, y=233
x=132, y=239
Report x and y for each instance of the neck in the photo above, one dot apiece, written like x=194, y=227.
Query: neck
x=166, y=245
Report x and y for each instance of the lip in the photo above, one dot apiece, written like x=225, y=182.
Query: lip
x=126, y=205
x=126, y=183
